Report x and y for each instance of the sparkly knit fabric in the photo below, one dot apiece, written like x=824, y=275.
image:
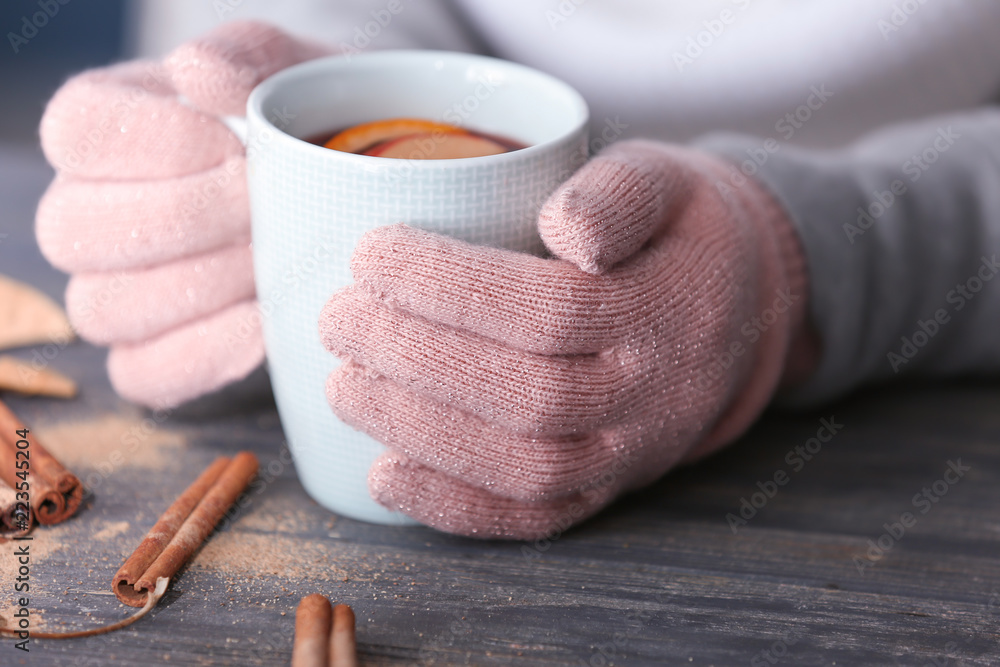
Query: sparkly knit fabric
x=149, y=211
x=217, y=72
x=132, y=305
x=519, y=395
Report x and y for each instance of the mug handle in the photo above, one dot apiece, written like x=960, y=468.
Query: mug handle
x=238, y=125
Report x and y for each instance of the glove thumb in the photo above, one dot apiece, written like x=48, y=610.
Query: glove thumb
x=610, y=208
x=218, y=71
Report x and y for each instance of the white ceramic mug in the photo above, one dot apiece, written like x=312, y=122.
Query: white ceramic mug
x=310, y=206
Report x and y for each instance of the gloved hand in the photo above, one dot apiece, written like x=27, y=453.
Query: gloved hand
x=149, y=211
x=519, y=395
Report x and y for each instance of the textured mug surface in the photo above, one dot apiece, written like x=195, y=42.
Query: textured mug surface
x=310, y=206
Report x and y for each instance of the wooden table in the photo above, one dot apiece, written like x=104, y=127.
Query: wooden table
x=660, y=578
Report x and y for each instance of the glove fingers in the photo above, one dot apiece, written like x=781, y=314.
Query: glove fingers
x=462, y=445
x=525, y=393
x=218, y=71
x=191, y=360
x=83, y=226
x=133, y=306
x=557, y=308
x=126, y=122
x=611, y=207
x=454, y=506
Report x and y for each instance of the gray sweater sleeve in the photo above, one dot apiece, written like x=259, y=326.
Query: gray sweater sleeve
x=901, y=232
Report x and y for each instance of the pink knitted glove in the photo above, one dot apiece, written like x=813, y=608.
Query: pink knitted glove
x=519, y=395
x=149, y=212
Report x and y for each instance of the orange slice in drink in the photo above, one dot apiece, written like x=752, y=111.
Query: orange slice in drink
x=361, y=137
x=426, y=146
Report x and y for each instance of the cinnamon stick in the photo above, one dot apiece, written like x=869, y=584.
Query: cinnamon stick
x=182, y=529
x=15, y=515
x=312, y=632
x=343, y=647
x=324, y=636
x=55, y=492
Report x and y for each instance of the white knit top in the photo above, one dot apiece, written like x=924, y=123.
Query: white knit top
x=672, y=69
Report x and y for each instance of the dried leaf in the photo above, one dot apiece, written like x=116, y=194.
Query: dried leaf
x=28, y=317
x=22, y=377
x=151, y=600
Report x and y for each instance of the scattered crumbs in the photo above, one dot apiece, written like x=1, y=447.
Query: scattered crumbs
x=110, y=530
x=243, y=556
x=46, y=540
x=7, y=618
x=112, y=441
x=280, y=515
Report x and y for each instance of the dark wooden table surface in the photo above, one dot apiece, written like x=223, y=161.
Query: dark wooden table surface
x=660, y=578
